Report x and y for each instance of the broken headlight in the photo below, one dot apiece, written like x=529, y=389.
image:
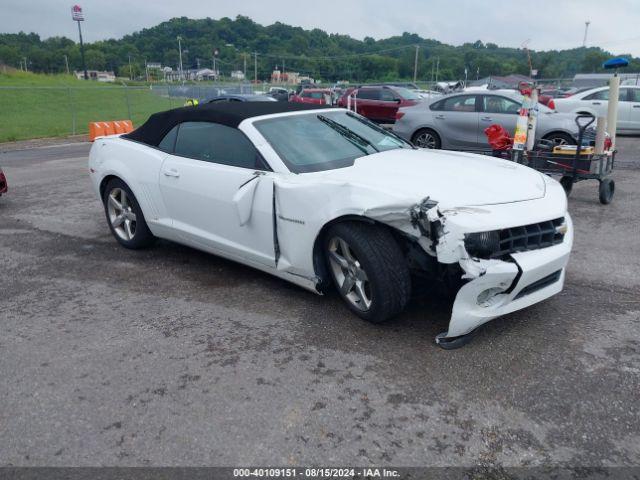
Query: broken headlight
x=482, y=244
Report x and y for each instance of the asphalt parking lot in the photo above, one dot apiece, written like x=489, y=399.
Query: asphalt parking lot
x=170, y=356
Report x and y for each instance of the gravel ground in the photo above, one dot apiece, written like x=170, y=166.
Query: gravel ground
x=173, y=357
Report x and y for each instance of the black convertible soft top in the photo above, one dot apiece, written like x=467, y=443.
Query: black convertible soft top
x=231, y=114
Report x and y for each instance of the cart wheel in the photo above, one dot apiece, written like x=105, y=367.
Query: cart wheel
x=567, y=184
x=606, y=190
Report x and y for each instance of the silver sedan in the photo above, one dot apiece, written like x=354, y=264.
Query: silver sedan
x=458, y=121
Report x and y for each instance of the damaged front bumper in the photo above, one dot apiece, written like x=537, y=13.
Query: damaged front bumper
x=499, y=287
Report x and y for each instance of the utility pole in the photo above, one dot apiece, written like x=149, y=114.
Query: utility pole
x=586, y=29
x=66, y=63
x=245, y=65
x=415, y=65
x=437, y=67
x=216, y=52
x=180, y=56
x=526, y=49
x=146, y=70
x=255, y=67
x=26, y=69
x=78, y=16
x=130, y=69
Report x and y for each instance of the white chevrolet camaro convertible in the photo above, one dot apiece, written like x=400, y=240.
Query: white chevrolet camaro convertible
x=322, y=196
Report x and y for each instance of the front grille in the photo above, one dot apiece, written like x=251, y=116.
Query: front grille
x=501, y=243
x=539, y=284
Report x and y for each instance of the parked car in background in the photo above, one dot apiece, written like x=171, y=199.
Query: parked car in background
x=242, y=97
x=428, y=94
x=3, y=183
x=596, y=102
x=314, y=96
x=547, y=95
x=458, y=121
x=280, y=94
x=379, y=103
x=322, y=196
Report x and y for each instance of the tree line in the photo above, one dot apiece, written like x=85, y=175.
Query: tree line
x=329, y=57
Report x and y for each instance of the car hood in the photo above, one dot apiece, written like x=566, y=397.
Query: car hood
x=454, y=179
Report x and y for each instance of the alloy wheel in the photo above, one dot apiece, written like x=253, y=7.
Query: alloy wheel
x=351, y=278
x=121, y=215
x=426, y=140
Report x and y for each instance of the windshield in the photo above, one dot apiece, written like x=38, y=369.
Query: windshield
x=406, y=93
x=313, y=142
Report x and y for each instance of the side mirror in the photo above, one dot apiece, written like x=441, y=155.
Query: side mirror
x=398, y=100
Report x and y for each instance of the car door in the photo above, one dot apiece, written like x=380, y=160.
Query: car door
x=367, y=102
x=624, y=110
x=456, y=120
x=596, y=102
x=634, y=109
x=496, y=109
x=389, y=102
x=218, y=192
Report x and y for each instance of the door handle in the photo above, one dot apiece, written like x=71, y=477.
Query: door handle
x=636, y=106
x=440, y=117
x=596, y=103
x=171, y=173
x=486, y=119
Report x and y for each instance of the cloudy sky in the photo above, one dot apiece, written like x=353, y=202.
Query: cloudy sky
x=553, y=24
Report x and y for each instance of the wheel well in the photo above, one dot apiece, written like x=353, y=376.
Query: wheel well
x=319, y=263
x=103, y=183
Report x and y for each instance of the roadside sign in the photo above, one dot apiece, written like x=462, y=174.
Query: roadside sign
x=76, y=13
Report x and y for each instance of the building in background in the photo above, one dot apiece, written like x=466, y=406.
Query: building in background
x=593, y=80
x=96, y=75
x=290, y=78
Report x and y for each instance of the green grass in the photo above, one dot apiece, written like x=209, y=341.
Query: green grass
x=35, y=106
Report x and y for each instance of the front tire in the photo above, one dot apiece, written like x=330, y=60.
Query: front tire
x=368, y=270
x=124, y=216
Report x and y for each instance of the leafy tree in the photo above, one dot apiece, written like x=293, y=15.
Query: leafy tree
x=329, y=57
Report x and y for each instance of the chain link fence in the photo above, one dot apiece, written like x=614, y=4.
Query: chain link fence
x=35, y=112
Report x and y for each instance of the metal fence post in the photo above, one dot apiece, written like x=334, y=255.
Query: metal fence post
x=73, y=112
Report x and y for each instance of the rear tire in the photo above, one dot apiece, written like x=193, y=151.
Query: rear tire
x=368, y=270
x=124, y=216
x=426, y=138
